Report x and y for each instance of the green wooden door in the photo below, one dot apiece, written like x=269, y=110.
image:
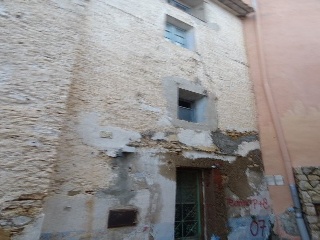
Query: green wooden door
x=187, y=215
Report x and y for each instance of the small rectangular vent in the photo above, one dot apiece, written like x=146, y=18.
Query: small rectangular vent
x=122, y=218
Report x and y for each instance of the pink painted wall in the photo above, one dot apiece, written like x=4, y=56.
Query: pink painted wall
x=290, y=43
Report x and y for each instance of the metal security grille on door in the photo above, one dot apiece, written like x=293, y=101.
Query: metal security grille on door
x=176, y=35
x=187, y=215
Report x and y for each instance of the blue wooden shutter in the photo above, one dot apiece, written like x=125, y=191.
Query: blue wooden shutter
x=180, y=36
x=168, y=32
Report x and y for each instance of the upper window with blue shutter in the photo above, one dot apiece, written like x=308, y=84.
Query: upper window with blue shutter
x=176, y=35
x=179, y=5
x=195, y=8
x=179, y=33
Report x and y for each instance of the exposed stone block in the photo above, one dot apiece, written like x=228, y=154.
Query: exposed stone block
x=307, y=170
x=301, y=178
x=4, y=234
x=306, y=197
x=314, y=183
x=314, y=196
x=173, y=138
x=105, y=134
x=313, y=177
x=316, y=172
x=315, y=235
x=314, y=227
x=304, y=185
x=312, y=219
x=311, y=211
x=317, y=189
x=298, y=171
x=21, y=220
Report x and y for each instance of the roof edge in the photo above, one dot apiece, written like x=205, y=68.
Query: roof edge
x=238, y=7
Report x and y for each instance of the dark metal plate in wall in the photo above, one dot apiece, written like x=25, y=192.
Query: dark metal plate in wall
x=122, y=218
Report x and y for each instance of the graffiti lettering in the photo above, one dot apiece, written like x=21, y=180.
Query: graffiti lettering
x=257, y=227
x=263, y=203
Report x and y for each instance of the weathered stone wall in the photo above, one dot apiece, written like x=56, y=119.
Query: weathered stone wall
x=120, y=147
x=38, y=51
x=102, y=68
x=308, y=181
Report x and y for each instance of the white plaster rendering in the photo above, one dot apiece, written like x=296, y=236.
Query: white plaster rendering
x=270, y=180
x=261, y=204
x=279, y=180
x=64, y=216
x=195, y=137
x=159, y=136
x=197, y=154
x=90, y=132
x=245, y=147
x=164, y=121
x=150, y=108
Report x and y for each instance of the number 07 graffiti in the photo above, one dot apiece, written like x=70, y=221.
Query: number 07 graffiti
x=250, y=228
x=257, y=227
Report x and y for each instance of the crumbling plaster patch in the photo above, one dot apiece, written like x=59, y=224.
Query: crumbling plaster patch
x=229, y=143
x=195, y=138
x=139, y=184
x=288, y=223
x=245, y=147
x=143, y=178
x=196, y=155
x=114, y=140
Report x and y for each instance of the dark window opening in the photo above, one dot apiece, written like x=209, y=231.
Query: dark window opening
x=185, y=104
x=191, y=106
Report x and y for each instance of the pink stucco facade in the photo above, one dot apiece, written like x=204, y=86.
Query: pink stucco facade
x=284, y=54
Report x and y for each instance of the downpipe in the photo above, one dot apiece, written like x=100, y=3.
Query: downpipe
x=298, y=213
x=278, y=128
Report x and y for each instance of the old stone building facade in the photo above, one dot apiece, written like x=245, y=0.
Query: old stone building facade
x=128, y=119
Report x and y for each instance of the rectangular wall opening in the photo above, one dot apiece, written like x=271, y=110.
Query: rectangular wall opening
x=191, y=106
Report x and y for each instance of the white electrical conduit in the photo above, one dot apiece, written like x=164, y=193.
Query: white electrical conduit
x=278, y=128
